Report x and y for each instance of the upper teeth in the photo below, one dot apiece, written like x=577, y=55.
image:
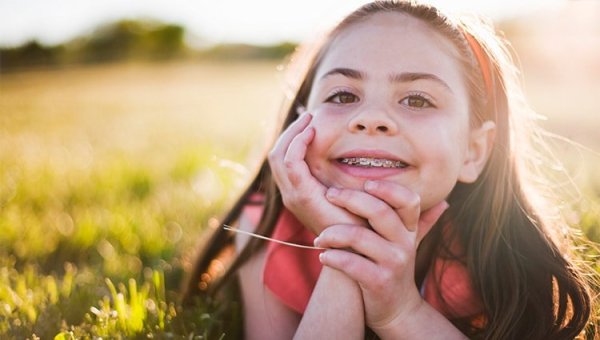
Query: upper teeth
x=373, y=162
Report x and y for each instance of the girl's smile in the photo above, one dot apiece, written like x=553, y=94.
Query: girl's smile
x=389, y=102
x=370, y=164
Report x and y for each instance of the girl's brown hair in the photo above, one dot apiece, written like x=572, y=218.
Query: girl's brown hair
x=529, y=285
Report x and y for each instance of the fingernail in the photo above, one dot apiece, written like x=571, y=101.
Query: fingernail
x=316, y=242
x=370, y=185
x=333, y=192
x=446, y=205
x=300, y=110
x=322, y=257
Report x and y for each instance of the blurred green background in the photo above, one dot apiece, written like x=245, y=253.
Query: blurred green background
x=119, y=147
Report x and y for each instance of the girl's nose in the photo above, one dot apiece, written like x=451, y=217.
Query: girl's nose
x=373, y=122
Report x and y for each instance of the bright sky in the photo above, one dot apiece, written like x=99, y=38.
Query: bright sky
x=252, y=21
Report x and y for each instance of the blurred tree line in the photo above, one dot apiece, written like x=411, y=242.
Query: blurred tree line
x=130, y=40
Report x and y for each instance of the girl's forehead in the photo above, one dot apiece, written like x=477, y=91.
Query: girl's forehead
x=392, y=37
x=396, y=25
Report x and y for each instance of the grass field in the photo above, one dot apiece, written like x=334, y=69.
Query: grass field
x=113, y=172
x=109, y=174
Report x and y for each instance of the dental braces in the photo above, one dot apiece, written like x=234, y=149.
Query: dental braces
x=373, y=162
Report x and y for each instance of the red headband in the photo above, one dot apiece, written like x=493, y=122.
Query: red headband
x=482, y=60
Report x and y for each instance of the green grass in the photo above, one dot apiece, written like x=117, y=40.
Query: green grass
x=77, y=306
x=108, y=176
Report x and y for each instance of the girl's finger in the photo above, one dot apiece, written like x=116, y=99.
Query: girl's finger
x=297, y=149
x=409, y=213
x=277, y=154
x=404, y=201
x=292, y=131
x=358, y=268
x=296, y=167
x=381, y=216
x=358, y=238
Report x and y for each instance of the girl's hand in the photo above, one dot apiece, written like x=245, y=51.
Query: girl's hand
x=302, y=193
x=382, y=259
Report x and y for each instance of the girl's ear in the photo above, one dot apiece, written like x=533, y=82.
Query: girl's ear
x=480, y=147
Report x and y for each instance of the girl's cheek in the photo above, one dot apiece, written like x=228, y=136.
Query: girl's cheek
x=324, y=120
x=327, y=130
x=315, y=164
x=312, y=152
x=317, y=156
x=331, y=110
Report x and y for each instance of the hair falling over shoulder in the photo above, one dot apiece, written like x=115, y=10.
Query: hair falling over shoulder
x=532, y=284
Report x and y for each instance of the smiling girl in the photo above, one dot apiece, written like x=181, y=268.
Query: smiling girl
x=408, y=164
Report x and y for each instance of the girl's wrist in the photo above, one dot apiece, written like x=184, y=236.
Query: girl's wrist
x=390, y=329
x=420, y=322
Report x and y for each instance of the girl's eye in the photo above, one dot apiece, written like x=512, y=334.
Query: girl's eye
x=416, y=101
x=342, y=97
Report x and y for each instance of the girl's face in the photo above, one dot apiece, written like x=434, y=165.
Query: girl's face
x=390, y=102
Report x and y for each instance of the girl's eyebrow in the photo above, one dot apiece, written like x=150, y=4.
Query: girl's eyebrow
x=404, y=77
x=407, y=77
x=347, y=72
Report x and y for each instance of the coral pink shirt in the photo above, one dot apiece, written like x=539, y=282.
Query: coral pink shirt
x=291, y=273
